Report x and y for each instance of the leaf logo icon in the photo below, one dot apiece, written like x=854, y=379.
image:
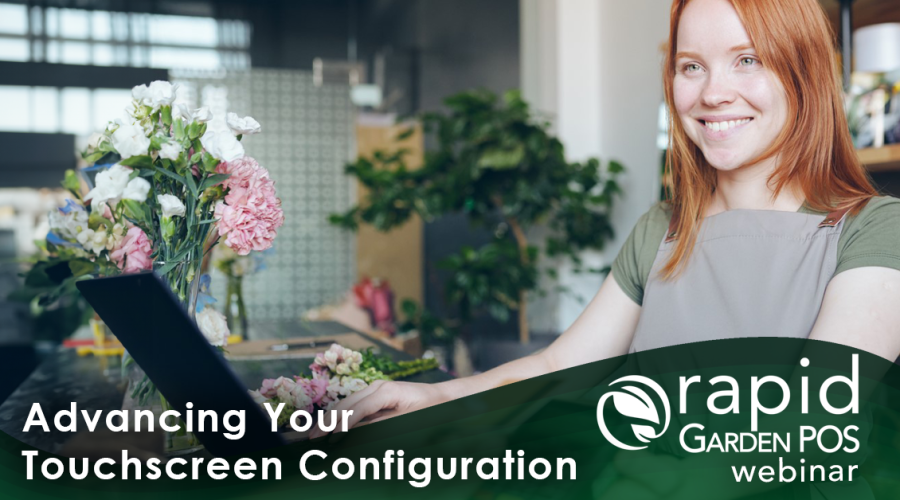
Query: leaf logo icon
x=634, y=402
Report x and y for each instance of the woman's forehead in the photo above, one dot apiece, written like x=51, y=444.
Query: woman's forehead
x=710, y=24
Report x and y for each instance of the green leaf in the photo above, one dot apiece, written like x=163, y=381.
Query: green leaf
x=179, y=131
x=501, y=159
x=168, y=267
x=142, y=161
x=212, y=180
x=193, y=131
x=72, y=183
x=93, y=157
x=191, y=184
x=207, y=221
x=209, y=162
x=406, y=134
x=96, y=220
x=137, y=211
x=81, y=267
x=171, y=175
x=166, y=112
x=196, y=157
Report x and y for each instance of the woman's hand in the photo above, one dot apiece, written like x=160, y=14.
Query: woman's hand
x=384, y=399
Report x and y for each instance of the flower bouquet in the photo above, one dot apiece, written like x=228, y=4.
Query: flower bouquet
x=169, y=188
x=336, y=374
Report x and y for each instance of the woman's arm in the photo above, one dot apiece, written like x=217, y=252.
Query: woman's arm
x=603, y=330
x=861, y=309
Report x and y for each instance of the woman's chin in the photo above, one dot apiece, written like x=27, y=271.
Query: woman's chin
x=724, y=162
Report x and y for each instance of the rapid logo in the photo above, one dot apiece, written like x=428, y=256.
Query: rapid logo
x=634, y=402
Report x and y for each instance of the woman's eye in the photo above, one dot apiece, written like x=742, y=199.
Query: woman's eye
x=748, y=61
x=691, y=67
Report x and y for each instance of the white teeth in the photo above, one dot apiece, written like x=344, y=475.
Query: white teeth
x=725, y=125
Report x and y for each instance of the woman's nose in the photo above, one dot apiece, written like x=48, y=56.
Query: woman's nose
x=718, y=91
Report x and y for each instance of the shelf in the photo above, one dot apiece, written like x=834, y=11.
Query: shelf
x=865, y=12
x=883, y=159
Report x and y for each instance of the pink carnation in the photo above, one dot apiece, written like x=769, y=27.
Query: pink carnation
x=133, y=254
x=251, y=213
x=268, y=388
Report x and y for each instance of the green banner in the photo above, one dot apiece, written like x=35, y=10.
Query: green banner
x=745, y=418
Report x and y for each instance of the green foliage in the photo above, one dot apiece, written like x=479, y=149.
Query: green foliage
x=497, y=164
x=56, y=306
x=431, y=329
x=381, y=366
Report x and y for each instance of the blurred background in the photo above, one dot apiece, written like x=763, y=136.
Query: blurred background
x=335, y=81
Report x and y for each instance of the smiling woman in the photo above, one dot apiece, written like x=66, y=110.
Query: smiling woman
x=772, y=229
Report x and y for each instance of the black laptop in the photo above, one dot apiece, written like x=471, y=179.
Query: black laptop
x=148, y=319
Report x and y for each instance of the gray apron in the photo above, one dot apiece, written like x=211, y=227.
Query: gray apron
x=753, y=273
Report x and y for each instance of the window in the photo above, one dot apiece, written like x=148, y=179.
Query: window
x=102, y=38
x=69, y=110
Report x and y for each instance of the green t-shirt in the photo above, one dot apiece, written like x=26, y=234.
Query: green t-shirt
x=871, y=238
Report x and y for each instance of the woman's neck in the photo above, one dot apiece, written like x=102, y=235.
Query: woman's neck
x=748, y=188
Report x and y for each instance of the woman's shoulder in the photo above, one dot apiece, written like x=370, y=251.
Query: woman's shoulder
x=631, y=267
x=656, y=220
x=877, y=211
x=871, y=237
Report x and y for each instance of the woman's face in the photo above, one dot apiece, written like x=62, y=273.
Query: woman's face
x=730, y=105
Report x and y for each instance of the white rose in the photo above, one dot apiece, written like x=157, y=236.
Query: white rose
x=222, y=145
x=137, y=189
x=203, y=114
x=213, y=326
x=242, y=126
x=171, y=205
x=130, y=140
x=109, y=185
x=170, y=151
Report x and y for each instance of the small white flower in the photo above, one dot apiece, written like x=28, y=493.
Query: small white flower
x=94, y=140
x=170, y=151
x=242, y=126
x=213, y=326
x=200, y=115
x=115, y=236
x=109, y=185
x=137, y=189
x=181, y=111
x=130, y=140
x=67, y=226
x=203, y=114
x=171, y=205
x=140, y=93
x=92, y=241
x=257, y=397
x=222, y=145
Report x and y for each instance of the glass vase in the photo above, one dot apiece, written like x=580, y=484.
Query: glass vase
x=184, y=279
x=235, y=311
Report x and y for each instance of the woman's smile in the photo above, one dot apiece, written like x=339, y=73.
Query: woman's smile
x=720, y=128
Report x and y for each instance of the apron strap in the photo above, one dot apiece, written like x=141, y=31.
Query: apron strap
x=834, y=218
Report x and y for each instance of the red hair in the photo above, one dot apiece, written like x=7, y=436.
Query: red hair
x=816, y=155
